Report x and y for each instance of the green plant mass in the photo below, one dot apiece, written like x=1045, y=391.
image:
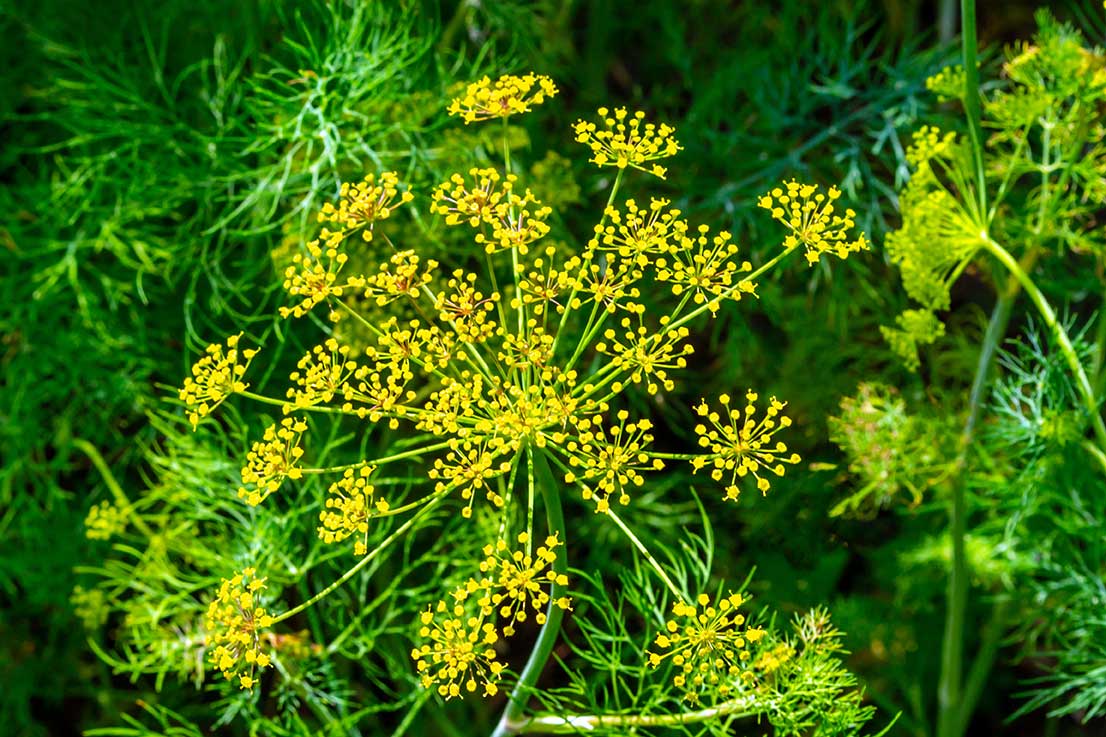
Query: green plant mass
x=549, y=367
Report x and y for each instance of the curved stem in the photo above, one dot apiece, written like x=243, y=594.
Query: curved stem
x=513, y=720
x=116, y=490
x=400, y=531
x=1082, y=382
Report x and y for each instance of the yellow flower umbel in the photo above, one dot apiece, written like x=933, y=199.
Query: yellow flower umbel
x=813, y=220
x=460, y=654
x=234, y=625
x=707, y=645
x=509, y=95
x=215, y=377
x=500, y=372
x=627, y=140
x=741, y=445
x=271, y=460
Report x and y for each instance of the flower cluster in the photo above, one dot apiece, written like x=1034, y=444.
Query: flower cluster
x=506, y=96
x=234, y=625
x=350, y=503
x=708, y=645
x=742, y=445
x=216, y=376
x=104, y=520
x=813, y=220
x=271, y=460
x=500, y=377
x=625, y=139
x=518, y=579
x=609, y=462
x=461, y=652
x=362, y=204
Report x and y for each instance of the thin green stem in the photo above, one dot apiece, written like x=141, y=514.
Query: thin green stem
x=514, y=720
x=748, y=278
x=384, y=545
x=383, y=459
x=572, y=294
x=949, y=697
x=285, y=403
x=648, y=556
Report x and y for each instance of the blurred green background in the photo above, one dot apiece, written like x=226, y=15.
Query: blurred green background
x=155, y=154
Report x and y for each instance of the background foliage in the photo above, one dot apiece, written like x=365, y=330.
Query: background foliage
x=157, y=158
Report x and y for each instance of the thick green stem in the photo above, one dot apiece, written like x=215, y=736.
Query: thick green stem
x=514, y=720
x=586, y=723
x=950, y=715
x=972, y=105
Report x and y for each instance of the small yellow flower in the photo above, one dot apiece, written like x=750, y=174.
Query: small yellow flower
x=467, y=309
x=506, y=96
x=707, y=646
x=928, y=144
x=627, y=140
x=813, y=221
x=610, y=462
x=215, y=377
x=350, y=504
x=234, y=625
x=742, y=445
x=518, y=221
x=324, y=371
x=460, y=652
x=362, y=204
x=271, y=460
x=104, y=520
x=771, y=659
x=401, y=276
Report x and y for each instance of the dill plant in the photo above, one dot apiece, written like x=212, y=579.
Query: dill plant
x=1015, y=200
x=482, y=398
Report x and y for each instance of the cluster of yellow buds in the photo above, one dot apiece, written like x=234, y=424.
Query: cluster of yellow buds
x=234, y=625
x=506, y=96
x=813, y=220
x=625, y=139
x=216, y=376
